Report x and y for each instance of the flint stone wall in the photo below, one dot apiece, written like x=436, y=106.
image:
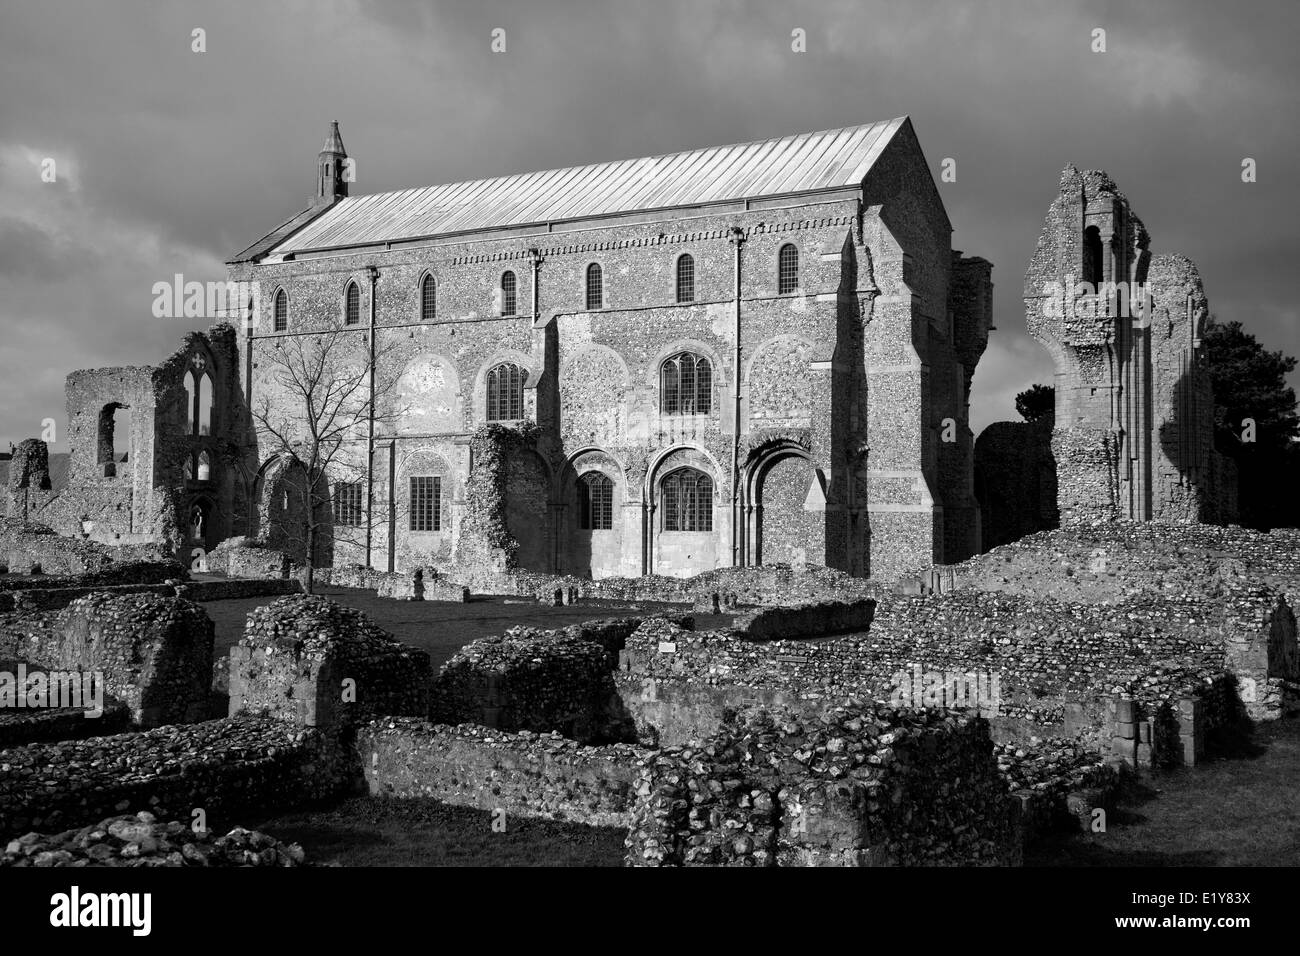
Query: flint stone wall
x=806, y=620
x=248, y=558
x=298, y=651
x=226, y=767
x=862, y=785
x=770, y=584
x=26, y=548
x=524, y=774
x=540, y=681
x=418, y=584
x=155, y=652
x=1055, y=662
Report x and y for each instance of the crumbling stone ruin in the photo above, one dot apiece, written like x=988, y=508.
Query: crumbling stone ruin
x=1133, y=434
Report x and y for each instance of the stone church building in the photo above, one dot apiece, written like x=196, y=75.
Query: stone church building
x=737, y=355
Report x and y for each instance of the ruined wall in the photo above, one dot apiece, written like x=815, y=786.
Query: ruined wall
x=1133, y=429
x=310, y=661
x=226, y=767
x=155, y=652
x=859, y=786
x=524, y=774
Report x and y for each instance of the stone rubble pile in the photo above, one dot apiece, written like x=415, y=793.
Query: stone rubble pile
x=143, y=840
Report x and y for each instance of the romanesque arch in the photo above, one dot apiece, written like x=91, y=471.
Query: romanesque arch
x=686, y=519
x=593, y=490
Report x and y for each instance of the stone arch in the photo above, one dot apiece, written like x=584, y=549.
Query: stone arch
x=532, y=373
x=593, y=552
x=699, y=347
x=780, y=381
x=113, y=440
x=683, y=553
x=593, y=381
x=430, y=393
x=528, y=509
x=787, y=507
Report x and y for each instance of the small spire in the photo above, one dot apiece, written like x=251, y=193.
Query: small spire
x=334, y=140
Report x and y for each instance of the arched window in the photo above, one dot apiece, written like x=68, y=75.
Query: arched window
x=204, y=471
x=428, y=299
x=686, y=278
x=787, y=270
x=281, y=311
x=509, y=300
x=203, y=407
x=595, y=502
x=505, y=393
x=595, y=287
x=686, y=497
x=352, y=305
x=686, y=385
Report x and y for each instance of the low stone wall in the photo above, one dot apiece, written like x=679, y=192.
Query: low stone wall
x=30, y=601
x=523, y=774
x=538, y=681
x=306, y=659
x=155, y=652
x=862, y=785
x=1034, y=668
x=18, y=727
x=419, y=584
x=805, y=620
x=28, y=548
x=772, y=584
x=223, y=767
x=230, y=590
x=246, y=558
x=111, y=575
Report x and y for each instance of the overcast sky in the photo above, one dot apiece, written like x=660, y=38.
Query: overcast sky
x=168, y=160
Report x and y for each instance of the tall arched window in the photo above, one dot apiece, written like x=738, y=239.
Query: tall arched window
x=787, y=270
x=686, y=278
x=686, y=385
x=686, y=498
x=505, y=393
x=428, y=299
x=281, y=310
x=198, y=396
x=595, y=286
x=509, y=300
x=352, y=305
x=595, y=502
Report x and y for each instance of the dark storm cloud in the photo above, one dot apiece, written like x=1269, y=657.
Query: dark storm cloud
x=183, y=158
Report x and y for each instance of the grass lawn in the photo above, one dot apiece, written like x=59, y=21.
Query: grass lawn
x=369, y=831
x=444, y=628
x=1240, y=811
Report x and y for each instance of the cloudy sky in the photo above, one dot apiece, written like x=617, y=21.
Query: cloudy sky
x=168, y=160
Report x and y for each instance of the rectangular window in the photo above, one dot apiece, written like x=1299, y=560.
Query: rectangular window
x=426, y=504
x=347, y=504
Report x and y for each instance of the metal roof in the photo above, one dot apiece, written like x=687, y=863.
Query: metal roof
x=773, y=167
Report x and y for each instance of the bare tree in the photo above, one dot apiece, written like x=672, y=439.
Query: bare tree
x=319, y=412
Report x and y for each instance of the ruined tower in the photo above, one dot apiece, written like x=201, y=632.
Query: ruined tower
x=1133, y=433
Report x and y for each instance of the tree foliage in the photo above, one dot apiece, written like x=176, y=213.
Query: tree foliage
x=1035, y=402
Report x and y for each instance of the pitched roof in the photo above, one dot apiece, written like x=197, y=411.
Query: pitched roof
x=773, y=167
